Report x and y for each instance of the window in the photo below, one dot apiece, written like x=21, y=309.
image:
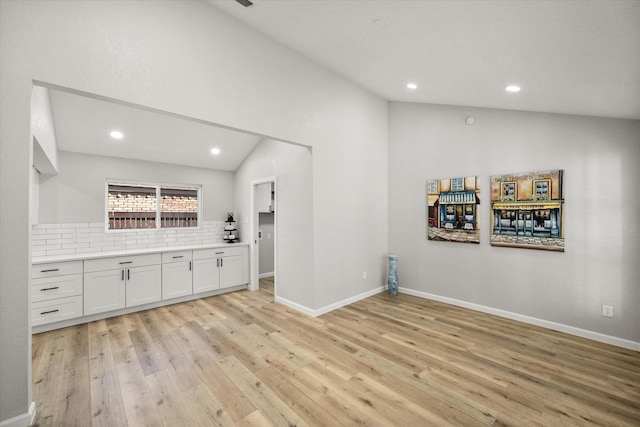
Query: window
x=541, y=189
x=457, y=184
x=178, y=207
x=144, y=206
x=432, y=187
x=508, y=191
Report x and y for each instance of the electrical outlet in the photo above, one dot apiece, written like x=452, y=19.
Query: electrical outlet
x=364, y=275
x=607, y=310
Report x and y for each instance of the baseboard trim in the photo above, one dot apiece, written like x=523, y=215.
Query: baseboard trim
x=263, y=275
x=326, y=309
x=22, y=420
x=596, y=336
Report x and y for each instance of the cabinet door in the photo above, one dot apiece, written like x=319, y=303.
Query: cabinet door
x=104, y=291
x=176, y=279
x=231, y=271
x=144, y=285
x=206, y=275
x=263, y=197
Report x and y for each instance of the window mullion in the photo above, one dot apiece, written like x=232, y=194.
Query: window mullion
x=158, y=208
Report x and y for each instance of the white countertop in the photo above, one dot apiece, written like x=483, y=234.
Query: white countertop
x=95, y=255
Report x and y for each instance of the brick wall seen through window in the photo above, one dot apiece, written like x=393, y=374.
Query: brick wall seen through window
x=136, y=206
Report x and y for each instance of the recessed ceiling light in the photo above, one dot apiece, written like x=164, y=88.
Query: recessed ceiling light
x=412, y=86
x=215, y=151
x=116, y=134
x=512, y=88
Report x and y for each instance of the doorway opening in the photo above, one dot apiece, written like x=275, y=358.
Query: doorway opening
x=264, y=235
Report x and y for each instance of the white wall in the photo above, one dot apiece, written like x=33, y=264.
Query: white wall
x=45, y=154
x=292, y=166
x=190, y=59
x=600, y=158
x=77, y=193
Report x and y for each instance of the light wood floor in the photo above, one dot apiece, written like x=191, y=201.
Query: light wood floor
x=240, y=359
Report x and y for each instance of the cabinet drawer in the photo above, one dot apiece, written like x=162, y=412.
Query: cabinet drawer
x=218, y=252
x=103, y=264
x=56, y=310
x=176, y=256
x=207, y=253
x=56, y=269
x=48, y=288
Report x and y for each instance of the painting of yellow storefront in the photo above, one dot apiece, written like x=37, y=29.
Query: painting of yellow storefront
x=527, y=210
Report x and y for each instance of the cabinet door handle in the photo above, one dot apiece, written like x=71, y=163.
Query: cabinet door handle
x=175, y=257
x=218, y=253
x=122, y=278
x=49, y=270
x=189, y=265
x=126, y=262
x=49, y=312
x=128, y=274
x=218, y=262
x=49, y=289
x=221, y=262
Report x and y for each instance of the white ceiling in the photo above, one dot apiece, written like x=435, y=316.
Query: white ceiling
x=569, y=56
x=573, y=57
x=83, y=125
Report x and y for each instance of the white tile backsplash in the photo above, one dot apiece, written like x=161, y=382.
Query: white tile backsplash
x=76, y=238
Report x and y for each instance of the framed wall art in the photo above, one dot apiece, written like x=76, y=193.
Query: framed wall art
x=527, y=210
x=452, y=209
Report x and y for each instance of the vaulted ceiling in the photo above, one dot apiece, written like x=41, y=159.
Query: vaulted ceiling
x=573, y=57
x=568, y=56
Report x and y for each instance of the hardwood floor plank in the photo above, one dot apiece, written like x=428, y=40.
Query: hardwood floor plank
x=47, y=379
x=107, y=408
x=349, y=404
x=220, y=384
x=241, y=359
x=74, y=404
x=138, y=403
x=172, y=407
x=299, y=402
x=261, y=395
x=208, y=410
x=254, y=419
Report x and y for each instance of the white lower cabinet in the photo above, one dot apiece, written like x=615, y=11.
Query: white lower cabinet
x=220, y=268
x=73, y=289
x=231, y=270
x=104, y=291
x=177, y=274
x=206, y=276
x=56, y=292
x=114, y=283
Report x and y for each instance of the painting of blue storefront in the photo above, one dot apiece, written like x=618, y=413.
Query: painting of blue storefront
x=452, y=209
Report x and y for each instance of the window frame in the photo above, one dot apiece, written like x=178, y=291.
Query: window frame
x=433, y=186
x=541, y=196
x=158, y=214
x=458, y=183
